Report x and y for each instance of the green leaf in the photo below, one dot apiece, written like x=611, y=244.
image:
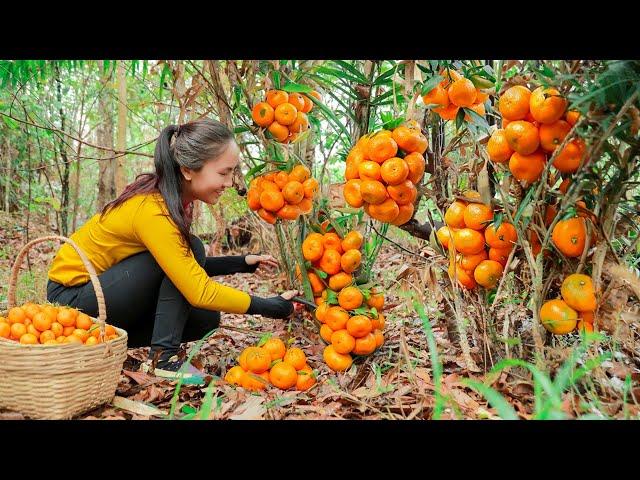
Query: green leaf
x=251, y=173
x=431, y=84
x=336, y=73
x=497, y=401
x=10, y=122
x=460, y=118
x=264, y=338
x=297, y=88
x=356, y=73
x=188, y=409
x=320, y=273
x=477, y=119
x=276, y=79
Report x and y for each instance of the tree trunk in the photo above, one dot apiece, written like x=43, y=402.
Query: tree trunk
x=7, y=186
x=62, y=150
x=121, y=143
x=107, y=180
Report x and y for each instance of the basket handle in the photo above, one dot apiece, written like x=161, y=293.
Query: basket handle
x=15, y=269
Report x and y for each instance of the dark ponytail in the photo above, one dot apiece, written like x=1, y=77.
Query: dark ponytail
x=189, y=145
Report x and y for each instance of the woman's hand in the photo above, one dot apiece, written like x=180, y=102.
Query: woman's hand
x=262, y=260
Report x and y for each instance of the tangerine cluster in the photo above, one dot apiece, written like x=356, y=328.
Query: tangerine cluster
x=272, y=364
x=453, y=93
x=284, y=114
x=534, y=124
x=282, y=195
x=576, y=308
x=382, y=172
x=34, y=324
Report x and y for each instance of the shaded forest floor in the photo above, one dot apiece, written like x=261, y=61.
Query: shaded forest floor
x=396, y=382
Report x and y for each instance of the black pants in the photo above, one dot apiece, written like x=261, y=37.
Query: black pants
x=142, y=300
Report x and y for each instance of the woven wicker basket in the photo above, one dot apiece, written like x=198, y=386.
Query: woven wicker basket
x=59, y=382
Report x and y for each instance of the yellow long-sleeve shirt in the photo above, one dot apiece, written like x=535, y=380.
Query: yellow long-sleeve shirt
x=143, y=223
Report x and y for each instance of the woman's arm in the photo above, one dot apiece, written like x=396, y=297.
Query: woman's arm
x=228, y=264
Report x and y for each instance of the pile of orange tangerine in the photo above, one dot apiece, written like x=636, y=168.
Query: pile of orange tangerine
x=453, y=93
x=533, y=125
x=350, y=322
x=382, y=171
x=272, y=364
x=284, y=114
x=34, y=324
x=283, y=195
x=469, y=230
x=576, y=308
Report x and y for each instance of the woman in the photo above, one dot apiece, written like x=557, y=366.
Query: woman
x=153, y=272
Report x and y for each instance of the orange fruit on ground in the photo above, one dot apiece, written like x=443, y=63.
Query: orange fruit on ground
x=504, y=237
x=306, y=379
x=462, y=93
x=331, y=241
x=253, y=199
x=5, y=330
x=552, y=134
x=379, y=338
x=416, y=163
x=342, y=341
x=558, y=317
x=66, y=331
x=381, y=148
x=83, y=321
x=234, y=375
x=280, y=132
x=340, y=280
x=572, y=117
x=404, y=193
x=29, y=339
x=477, y=216
x=464, y=278
x=262, y=114
x=569, y=159
x=316, y=283
x=373, y=192
x=16, y=315
x=281, y=179
x=500, y=255
x=447, y=113
x=300, y=173
x=405, y=213
x=242, y=359
x=350, y=298
x=444, y=236
x=577, y=291
x=350, y=261
x=478, y=108
x=337, y=362
x=368, y=170
x=258, y=360
x=42, y=322
x=583, y=326
x=310, y=187
x=365, y=345
x=254, y=382
x=267, y=216
x=313, y=247
x=351, y=193
x=321, y=311
x=18, y=330
x=297, y=100
x=289, y=212
x=293, y=192
x=393, y=171
x=270, y=201
x=569, y=236
x=514, y=103
x=454, y=216
x=277, y=97
x=498, y=148
x=527, y=168
x=547, y=105
x=410, y=140
x=275, y=347
x=468, y=241
x=488, y=273
x=358, y=326
x=336, y=318
x=283, y=375
x=379, y=322
x=436, y=96
x=470, y=262
x=295, y=357
x=386, y=211
x=352, y=240
x=588, y=317
x=326, y=332
x=522, y=136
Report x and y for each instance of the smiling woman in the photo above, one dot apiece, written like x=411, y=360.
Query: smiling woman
x=154, y=273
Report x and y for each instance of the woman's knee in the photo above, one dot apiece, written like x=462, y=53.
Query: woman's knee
x=197, y=247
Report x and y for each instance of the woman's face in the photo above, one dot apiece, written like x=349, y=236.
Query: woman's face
x=213, y=178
